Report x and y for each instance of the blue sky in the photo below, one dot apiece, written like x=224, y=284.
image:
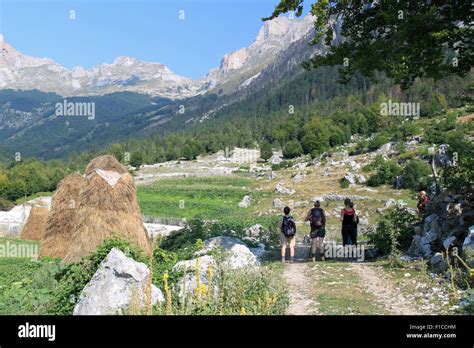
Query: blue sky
x=145, y=29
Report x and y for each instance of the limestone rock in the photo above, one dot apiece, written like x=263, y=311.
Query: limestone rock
x=114, y=285
x=245, y=203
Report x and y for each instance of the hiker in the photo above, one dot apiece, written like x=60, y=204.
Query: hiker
x=355, y=222
x=317, y=220
x=347, y=218
x=422, y=203
x=288, y=234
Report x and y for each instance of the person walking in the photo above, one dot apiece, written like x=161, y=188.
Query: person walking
x=422, y=203
x=317, y=219
x=288, y=235
x=347, y=220
x=355, y=222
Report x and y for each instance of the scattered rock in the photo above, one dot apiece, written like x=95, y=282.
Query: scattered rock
x=298, y=178
x=389, y=203
x=449, y=241
x=438, y=263
x=254, y=231
x=239, y=256
x=277, y=203
x=163, y=230
x=114, y=285
x=245, y=203
x=189, y=282
x=283, y=190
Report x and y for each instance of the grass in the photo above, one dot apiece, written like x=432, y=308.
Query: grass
x=26, y=285
x=339, y=291
x=209, y=198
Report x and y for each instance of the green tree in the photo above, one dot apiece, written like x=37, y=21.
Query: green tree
x=406, y=39
x=136, y=159
x=292, y=149
x=117, y=151
x=265, y=150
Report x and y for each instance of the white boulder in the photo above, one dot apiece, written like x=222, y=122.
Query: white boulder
x=117, y=281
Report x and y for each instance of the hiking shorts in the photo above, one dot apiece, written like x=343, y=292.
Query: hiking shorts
x=291, y=241
x=317, y=232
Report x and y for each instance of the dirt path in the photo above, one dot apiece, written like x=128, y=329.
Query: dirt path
x=344, y=288
x=384, y=290
x=296, y=277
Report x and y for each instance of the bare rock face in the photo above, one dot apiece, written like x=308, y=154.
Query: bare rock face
x=445, y=227
x=118, y=281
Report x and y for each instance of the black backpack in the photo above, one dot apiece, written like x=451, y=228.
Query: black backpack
x=317, y=217
x=288, y=227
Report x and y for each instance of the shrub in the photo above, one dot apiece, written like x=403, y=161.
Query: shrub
x=265, y=150
x=394, y=231
x=344, y=183
x=416, y=175
x=249, y=291
x=386, y=174
x=292, y=149
x=282, y=165
x=378, y=141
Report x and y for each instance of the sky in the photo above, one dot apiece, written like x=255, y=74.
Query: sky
x=98, y=31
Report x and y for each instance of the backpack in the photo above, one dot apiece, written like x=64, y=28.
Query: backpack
x=317, y=217
x=288, y=227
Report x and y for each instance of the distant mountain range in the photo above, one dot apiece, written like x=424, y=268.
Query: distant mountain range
x=237, y=69
x=134, y=98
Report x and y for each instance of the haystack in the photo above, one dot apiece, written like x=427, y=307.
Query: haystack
x=108, y=207
x=61, y=219
x=35, y=226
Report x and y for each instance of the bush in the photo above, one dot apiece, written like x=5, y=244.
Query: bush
x=416, y=175
x=394, y=231
x=344, y=183
x=282, y=165
x=249, y=291
x=460, y=175
x=266, y=151
x=386, y=173
x=468, y=300
x=378, y=141
x=292, y=149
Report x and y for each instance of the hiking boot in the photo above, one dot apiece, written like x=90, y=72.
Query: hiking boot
x=322, y=258
x=292, y=259
x=282, y=259
x=313, y=259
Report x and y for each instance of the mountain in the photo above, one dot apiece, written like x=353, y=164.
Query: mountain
x=133, y=99
x=21, y=72
x=237, y=69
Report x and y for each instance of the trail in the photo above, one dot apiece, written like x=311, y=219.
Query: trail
x=296, y=277
x=341, y=287
x=384, y=291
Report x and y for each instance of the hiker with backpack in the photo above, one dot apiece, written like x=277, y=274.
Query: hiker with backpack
x=348, y=219
x=355, y=223
x=317, y=219
x=288, y=234
x=422, y=203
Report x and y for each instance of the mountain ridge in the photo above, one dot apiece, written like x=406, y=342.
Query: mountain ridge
x=236, y=69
